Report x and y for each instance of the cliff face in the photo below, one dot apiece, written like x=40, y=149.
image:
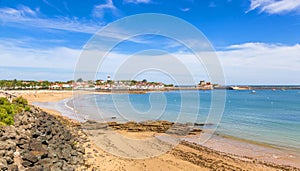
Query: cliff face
x=39, y=141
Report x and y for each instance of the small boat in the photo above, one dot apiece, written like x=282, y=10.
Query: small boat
x=253, y=92
x=239, y=88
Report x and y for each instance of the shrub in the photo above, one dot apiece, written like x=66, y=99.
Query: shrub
x=8, y=110
x=20, y=100
x=3, y=114
x=9, y=120
x=27, y=108
x=4, y=101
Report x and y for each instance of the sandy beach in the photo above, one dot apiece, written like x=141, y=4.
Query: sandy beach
x=184, y=156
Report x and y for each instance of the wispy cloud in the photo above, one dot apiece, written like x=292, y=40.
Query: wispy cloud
x=275, y=6
x=185, y=9
x=27, y=17
x=22, y=11
x=137, y=1
x=52, y=6
x=14, y=54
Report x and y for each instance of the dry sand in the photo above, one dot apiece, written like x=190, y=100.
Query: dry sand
x=185, y=156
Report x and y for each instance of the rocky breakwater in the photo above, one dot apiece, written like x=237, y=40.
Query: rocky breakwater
x=40, y=141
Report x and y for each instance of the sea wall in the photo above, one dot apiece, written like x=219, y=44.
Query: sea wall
x=39, y=141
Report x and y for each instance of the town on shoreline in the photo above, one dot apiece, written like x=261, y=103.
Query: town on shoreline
x=127, y=85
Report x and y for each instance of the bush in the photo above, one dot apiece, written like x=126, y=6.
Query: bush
x=9, y=120
x=3, y=114
x=8, y=110
x=5, y=118
x=20, y=100
x=4, y=101
x=27, y=108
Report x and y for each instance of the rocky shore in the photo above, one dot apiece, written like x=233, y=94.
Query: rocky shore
x=40, y=141
x=146, y=126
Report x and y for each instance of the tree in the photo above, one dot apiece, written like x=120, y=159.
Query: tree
x=133, y=82
x=70, y=82
x=46, y=84
x=14, y=83
x=144, y=81
x=9, y=84
x=79, y=80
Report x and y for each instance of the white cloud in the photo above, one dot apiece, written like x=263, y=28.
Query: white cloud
x=22, y=11
x=13, y=54
x=26, y=17
x=100, y=10
x=260, y=63
x=137, y=1
x=185, y=9
x=275, y=6
x=248, y=63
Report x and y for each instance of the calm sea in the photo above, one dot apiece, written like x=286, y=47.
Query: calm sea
x=269, y=117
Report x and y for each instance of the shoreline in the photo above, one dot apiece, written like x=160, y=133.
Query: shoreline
x=61, y=95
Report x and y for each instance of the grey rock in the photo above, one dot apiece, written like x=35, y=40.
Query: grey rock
x=13, y=167
x=35, y=168
x=57, y=166
x=2, y=153
x=44, y=162
x=9, y=159
x=30, y=157
x=26, y=163
x=3, y=164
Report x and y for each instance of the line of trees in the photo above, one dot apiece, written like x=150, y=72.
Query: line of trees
x=22, y=84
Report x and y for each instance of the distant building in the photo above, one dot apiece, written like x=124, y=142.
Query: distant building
x=202, y=83
x=55, y=87
x=205, y=85
x=66, y=86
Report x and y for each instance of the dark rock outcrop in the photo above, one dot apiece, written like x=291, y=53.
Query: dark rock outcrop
x=40, y=141
x=150, y=126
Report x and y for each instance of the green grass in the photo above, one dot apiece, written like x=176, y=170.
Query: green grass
x=9, y=110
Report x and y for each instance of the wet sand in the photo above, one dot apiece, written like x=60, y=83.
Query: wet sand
x=262, y=152
x=184, y=156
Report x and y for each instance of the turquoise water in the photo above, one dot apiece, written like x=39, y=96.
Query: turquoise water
x=271, y=117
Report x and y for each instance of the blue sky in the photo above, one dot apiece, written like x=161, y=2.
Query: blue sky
x=257, y=41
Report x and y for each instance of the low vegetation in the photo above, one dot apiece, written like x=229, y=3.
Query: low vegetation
x=8, y=109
